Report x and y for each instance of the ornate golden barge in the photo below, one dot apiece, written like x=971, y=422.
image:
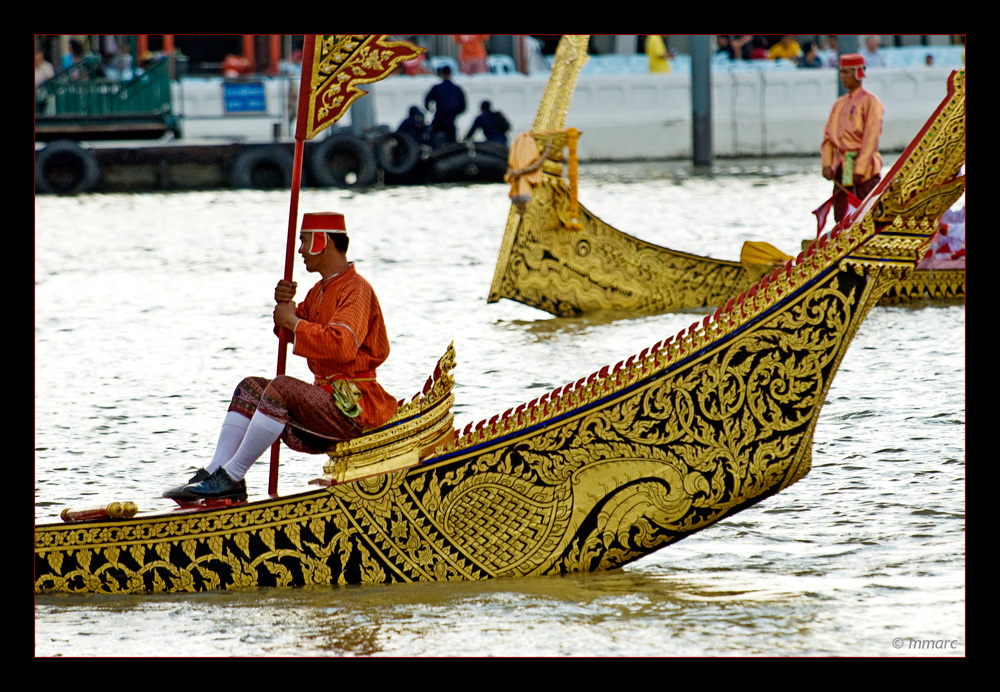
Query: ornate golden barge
x=558, y=257
x=597, y=473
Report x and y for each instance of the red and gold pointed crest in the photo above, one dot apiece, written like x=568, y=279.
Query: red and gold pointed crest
x=333, y=67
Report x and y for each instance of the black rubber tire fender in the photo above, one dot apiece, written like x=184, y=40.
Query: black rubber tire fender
x=343, y=161
x=495, y=149
x=262, y=168
x=466, y=167
x=398, y=153
x=65, y=168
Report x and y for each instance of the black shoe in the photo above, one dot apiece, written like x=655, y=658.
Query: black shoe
x=218, y=486
x=178, y=492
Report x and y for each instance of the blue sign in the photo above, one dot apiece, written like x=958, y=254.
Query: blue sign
x=244, y=97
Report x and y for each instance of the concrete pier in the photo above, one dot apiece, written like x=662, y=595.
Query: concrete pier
x=756, y=111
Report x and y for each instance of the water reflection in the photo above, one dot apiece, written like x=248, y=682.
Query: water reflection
x=613, y=613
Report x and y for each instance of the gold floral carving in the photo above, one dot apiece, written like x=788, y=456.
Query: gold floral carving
x=613, y=481
x=595, y=474
x=945, y=285
x=928, y=182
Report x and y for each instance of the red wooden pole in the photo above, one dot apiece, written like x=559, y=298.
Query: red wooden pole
x=293, y=215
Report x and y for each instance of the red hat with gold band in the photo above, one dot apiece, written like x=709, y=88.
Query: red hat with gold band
x=855, y=60
x=319, y=224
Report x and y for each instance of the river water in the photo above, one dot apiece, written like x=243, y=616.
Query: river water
x=149, y=308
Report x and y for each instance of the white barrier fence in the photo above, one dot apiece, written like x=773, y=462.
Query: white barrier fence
x=755, y=112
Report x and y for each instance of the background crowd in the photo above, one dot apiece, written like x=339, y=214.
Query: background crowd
x=819, y=53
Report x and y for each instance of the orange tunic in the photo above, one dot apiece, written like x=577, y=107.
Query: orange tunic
x=471, y=46
x=855, y=124
x=341, y=334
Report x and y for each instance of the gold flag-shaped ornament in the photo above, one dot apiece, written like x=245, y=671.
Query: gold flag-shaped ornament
x=335, y=65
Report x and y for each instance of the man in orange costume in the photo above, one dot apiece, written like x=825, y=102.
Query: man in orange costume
x=472, y=53
x=340, y=332
x=850, y=141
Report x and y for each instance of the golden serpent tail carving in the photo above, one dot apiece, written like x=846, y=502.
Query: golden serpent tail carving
x=566, y=263
x=600, y=268
x=570, y=57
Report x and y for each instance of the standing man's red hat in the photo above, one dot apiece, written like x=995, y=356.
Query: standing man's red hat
x=855, y=60
x=319, y=224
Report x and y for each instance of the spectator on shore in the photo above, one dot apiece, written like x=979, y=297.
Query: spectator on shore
x=871, y=54
x=758, y=48
x=120, y=65
x=830, y=51
x=472, y=53
x=416, y=126
x=76, y=54
x=73, y=60
x=43, y=73
x=449, y=102
x=786, y=48
x=810, y=56
x=43, y=68
x=741, y=45
x=656, y=51
x=492, y=123
x=724, y=46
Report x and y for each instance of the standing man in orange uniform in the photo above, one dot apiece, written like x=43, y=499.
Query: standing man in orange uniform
x=850, y=141
x=472, y=53
x=340, y=332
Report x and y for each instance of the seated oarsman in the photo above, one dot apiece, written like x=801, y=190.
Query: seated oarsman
x=340, y=332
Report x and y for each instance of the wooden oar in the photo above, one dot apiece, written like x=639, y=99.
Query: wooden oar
x=308, y=49
x=293, y=213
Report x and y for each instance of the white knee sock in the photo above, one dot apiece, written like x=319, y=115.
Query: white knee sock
x=260, y=435
x=234, y=427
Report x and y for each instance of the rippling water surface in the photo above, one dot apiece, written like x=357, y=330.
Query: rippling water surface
x=150, y=308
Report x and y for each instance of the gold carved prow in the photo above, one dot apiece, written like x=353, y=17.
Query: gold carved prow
x=412, y=434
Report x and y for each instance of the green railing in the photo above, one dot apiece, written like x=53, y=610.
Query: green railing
x=78, y=92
